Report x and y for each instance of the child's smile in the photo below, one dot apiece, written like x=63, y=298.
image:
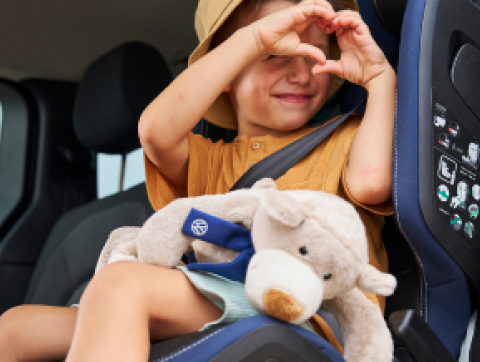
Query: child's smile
x=276, y=94
x=294, y=98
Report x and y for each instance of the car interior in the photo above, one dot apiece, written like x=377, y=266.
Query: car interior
x=73, y=84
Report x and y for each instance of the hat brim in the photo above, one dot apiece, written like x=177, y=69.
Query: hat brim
x=221, y=112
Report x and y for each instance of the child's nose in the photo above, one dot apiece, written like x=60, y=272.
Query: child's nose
x=300, y=70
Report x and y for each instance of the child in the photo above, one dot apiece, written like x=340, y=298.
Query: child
x=266, y=72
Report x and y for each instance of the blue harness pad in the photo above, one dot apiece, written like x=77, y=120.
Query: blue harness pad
x=203, y=226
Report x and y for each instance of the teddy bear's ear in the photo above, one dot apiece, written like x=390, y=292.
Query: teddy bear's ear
x=374, y=281
x=283, y=207
x=265, y=183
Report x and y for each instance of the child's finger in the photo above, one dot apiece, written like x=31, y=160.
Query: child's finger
x=344, y=22
x=323, y=24
x=330, y=66
x=316, y=11
x=349, y=21
x=311, y=51
x=305, y=15
x=319, y=2
x=348, y=13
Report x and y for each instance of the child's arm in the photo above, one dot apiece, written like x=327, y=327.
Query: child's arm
x=164, y=125
x=369, y=170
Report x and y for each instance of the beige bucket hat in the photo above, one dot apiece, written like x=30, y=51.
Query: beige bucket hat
x=209, y=17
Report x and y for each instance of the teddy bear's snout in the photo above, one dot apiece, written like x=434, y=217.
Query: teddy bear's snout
x=282, y=306
x=283, y=286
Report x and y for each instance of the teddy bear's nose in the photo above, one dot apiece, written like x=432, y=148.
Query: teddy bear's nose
x=281, y=306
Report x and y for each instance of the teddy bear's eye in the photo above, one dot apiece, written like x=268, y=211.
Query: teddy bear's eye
x=327, y=276
x=303, y=250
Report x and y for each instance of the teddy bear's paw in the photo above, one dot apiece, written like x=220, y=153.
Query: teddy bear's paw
x=265, y=183
x=373, y=281
x=369, y=353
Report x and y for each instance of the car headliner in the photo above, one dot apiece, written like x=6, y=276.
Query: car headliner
x=58, y=39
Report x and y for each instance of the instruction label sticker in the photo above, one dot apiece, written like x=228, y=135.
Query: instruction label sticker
x=447, y=169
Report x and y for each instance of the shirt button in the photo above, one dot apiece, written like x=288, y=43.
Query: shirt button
x=255, y=145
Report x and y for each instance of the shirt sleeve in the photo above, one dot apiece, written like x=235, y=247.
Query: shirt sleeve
x=161, y=191
x=384, y=209
x=200, y=158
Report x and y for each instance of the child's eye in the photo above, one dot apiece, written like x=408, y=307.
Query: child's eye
x=278, y=57
x=310, y=61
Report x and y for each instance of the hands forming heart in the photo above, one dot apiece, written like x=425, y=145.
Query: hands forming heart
x=361, y=59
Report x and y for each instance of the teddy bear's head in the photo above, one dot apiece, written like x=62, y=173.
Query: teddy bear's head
x=309, y=247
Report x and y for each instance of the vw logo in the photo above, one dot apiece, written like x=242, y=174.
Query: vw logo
x=199, y=227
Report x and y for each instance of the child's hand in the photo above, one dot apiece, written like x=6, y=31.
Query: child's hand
x=279, y=33
x=361, y=59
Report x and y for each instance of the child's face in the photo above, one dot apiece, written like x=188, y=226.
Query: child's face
x=277, y=95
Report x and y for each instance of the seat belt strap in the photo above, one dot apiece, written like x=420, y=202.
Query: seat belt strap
x=231, y=236
x=279, y=162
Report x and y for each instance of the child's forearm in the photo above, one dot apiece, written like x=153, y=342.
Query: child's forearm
x=369, y=171
x=168, y=119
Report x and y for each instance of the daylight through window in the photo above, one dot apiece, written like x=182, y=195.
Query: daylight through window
x=1, y=122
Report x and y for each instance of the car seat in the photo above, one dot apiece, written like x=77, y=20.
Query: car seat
x=111, y=96
x=44, y=172
x=421, y=275
x=436, y=165
x=435, y=262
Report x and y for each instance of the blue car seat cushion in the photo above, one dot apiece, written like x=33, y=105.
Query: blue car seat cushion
x=384, y=19
x=218, y=342
x=390, y=14
x=445, y=286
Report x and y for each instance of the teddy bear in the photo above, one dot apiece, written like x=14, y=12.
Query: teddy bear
x=310, y=249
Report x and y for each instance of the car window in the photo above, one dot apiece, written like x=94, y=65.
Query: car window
x=108, y=172
x=134, y=170
x=1, y=123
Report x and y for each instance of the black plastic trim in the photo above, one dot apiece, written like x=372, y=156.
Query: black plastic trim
x=465, y=75
x=421, y=342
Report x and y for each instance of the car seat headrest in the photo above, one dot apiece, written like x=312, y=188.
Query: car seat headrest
x=113, y=93
x=390, y=13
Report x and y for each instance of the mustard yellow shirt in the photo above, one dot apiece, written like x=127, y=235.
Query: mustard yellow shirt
x=213, y=168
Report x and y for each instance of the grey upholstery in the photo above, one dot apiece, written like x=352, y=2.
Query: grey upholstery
x=71, y=252
x=111, y=97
